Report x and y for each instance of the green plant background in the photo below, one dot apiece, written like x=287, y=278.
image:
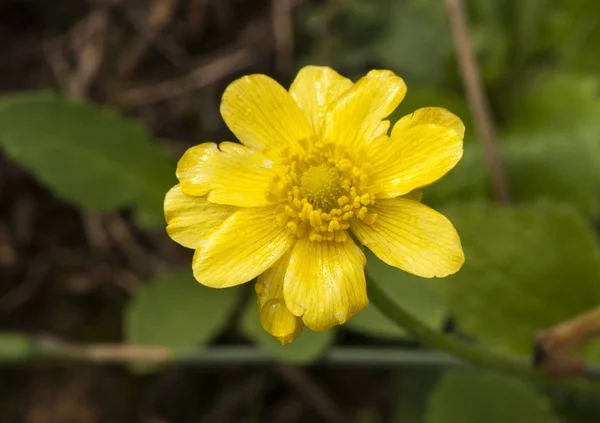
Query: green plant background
x=529, y=266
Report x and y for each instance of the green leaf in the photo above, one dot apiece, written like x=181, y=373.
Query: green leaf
x=491, y=41
x=176, y=311
x=469, y=180
x=476, y=396
x=527, y=268
x=552, y=148
x=577, y=34
x=416, y=44
x=417, y=295
x=89, y=155
x=576, y=409
x=14, y=347
x=557, y=101
x=413, y=386
x=559, y=168
x=306, y=348
x=562, y=167
x=341, y=35
x=527, y=24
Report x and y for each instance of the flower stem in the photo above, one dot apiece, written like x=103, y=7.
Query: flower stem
x=466, y=351
x=18, y=348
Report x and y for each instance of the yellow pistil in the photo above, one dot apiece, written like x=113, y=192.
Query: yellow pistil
x=321, y=186
x=321, y=190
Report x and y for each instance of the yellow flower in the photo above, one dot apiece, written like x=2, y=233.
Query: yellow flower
x=315, y=165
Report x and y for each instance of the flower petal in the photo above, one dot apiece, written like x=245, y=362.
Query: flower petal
x=230, y=173
x=382, y=128
x=325, y=282
x=275, y=317
x=413, y=158
x=412, y=237
x=355, y=118
x=435, y=115
x=415, y=195
x=190, y=220
x=245, y=245
x=314, y=89
x=262, y=114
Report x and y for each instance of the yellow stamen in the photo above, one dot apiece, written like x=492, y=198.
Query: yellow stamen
x=321, y=191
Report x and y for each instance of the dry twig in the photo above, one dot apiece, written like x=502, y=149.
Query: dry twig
x=87, y=40
x=140, y=260
x=478, y=103
x=95, y=233
x=551, y=346
x=284, y=36
x=8, y=254
x=236, y=58
x=12, y=300
x=204, y=75
x=150, y=32
x=197, y=17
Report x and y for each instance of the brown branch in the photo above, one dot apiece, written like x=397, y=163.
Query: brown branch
x=573, y=332
x=283, y=35
x=86, y=40
x=8, y=253
x=151, y=32
x=95, y=232
x=17, y=297
x=251, y=46
x=476, y=96
x=204, y=75
x=551, y=346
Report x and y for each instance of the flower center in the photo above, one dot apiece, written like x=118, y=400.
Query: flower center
x=321, y=190
x=321, y=186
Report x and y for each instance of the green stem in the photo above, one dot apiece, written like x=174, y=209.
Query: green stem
x=471, y=353
x=16, y=348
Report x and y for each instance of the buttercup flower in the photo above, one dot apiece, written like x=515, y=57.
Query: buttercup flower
x=315, y=172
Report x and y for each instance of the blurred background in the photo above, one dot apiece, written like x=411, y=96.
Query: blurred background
x=98, y=100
